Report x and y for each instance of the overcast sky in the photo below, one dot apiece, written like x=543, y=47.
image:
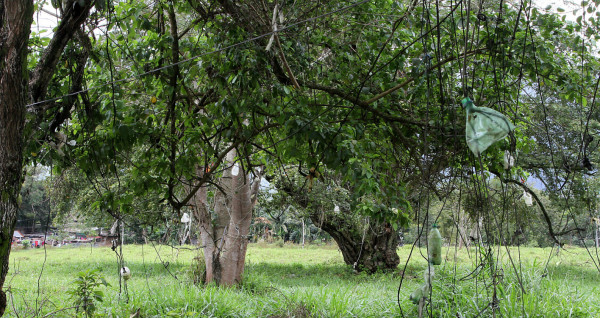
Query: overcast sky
x=46, y=19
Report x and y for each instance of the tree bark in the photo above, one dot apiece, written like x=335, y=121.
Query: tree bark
x=370, y=248
x=16, y=17
x=225, y=237
x=200, y=210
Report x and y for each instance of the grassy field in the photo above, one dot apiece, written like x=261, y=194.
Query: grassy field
x=312, y=282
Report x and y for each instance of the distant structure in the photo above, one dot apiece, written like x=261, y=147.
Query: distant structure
x=17, y=236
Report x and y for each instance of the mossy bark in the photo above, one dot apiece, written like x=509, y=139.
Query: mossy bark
x=16, y=91
x=9, y=212
x=15, y=23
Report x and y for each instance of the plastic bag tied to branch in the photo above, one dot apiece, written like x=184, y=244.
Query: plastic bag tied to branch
x=485, y=126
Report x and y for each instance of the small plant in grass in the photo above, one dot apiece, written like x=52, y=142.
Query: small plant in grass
x=279, y=242
x=25, y=244
x=198, y=270
x=85, y=291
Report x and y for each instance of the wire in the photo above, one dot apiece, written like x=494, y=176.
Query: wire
x=202, y=55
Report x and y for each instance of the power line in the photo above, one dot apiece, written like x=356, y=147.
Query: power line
x=203, y=54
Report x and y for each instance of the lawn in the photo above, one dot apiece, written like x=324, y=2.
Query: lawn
x=312, y=282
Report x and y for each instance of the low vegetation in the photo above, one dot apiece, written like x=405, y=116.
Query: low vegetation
x=312, y=282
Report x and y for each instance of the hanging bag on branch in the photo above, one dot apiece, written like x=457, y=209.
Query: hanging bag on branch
x=435, y=246
x=509, y=160
x=527, y=198
x=485, y=126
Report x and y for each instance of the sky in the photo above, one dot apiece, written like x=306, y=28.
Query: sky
x=46, y=19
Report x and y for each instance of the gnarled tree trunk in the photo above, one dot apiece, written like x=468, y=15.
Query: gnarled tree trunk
x=225, y=238
x=366, y=246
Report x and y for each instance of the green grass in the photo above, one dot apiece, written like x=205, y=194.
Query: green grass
x=310, y=282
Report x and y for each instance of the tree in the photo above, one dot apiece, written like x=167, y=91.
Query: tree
x=18, y=89
x=225, y=236
x=367, y=243
x=180, y=86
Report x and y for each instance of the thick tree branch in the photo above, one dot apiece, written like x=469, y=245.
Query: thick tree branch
x=72, y=20
x=1, y=19
x=76, y=86
x=171, y=114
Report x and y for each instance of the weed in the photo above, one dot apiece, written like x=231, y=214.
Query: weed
x=85, y=291
x=198, y=270
x=279, y=243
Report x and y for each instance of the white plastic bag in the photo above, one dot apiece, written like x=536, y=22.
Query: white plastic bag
x=509, y=160
x=527, y=198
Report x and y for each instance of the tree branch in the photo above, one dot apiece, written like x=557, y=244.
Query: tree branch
x=413, y=78
x=541, y=205
x=171, y=114
x=218, y=162
x=72, y=20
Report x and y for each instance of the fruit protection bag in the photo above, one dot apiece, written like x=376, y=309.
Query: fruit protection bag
x=485, y=126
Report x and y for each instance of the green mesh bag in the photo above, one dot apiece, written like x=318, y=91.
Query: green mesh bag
x=485, y=126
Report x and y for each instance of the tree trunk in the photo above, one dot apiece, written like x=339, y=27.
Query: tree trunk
x=201, y=213
x=303, y=233
x=597, y=240
x=462, y=222
x=225, y=238
x=16, y=90
x=15, y=23
x=367, y=247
